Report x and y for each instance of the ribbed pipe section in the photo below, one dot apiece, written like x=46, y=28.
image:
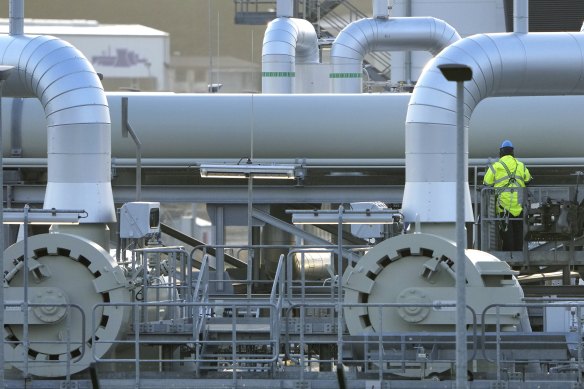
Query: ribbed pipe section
x=545, y=64
x=287, y=41
x=77, y=120
x=364, y=36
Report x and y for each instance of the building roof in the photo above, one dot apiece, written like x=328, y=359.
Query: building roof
x=81, y=27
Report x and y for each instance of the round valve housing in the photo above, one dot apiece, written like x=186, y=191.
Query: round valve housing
x=71, y=280
x=420, y=269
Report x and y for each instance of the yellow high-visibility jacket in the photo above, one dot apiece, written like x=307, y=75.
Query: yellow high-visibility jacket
x=507, y=173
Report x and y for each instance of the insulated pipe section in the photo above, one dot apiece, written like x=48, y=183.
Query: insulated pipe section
x=77, y=121
x=287, y=41
x=356, y=127
x=364, y=36
x=546, y=64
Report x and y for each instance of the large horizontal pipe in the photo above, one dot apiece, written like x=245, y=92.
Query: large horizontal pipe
x=352, y=126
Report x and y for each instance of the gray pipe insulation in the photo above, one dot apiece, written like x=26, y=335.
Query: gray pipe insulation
x=352, y=127
x=364, y=36
x=287, y=41
x=517, y=64
x=76, y=118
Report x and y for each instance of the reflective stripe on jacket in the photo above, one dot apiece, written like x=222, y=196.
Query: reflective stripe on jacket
x=507, y=174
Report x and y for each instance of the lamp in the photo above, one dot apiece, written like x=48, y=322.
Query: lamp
x=5, y=72
x=456, y=72
x=346, y=217
x=460, y=73
x=285, y=172
x=43, y=216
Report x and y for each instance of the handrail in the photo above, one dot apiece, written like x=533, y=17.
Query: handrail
x=277, y=279
x=565, y=339
x=195, y=340
x=200, y=295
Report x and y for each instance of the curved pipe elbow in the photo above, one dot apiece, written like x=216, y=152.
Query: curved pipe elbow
x=538, y=64
x=294, y=38
x=287, y=41
x=78, y=121
x=364, y=36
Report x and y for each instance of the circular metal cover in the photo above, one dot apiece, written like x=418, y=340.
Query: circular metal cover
x=71, y=267
x=418, y=269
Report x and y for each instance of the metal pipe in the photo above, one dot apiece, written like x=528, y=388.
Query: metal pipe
x=4, y=74
x=548, y=64
x=314, y=163
x=285, y=8
x=461, y=352
x=16, y=15
x=25, y=270
x=77, y=120
x=383, y=34
x=200, y=122
x=408, y=53
x=521, y=16
x=127, y=129
x=381, y=9
x=287, y=41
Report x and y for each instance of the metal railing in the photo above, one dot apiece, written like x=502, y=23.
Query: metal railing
x=296, y=327
x=68, y=357
x=534, y=228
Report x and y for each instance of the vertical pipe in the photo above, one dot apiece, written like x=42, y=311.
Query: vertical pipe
x=340, y=287
x=4, y=73
x=521, y=16
x=16, y=15
x=461, y=352
x=381, y=9
x=250, y=258
x=285, y=8
x=2, y=307
x=408, y=54
x=25, y=338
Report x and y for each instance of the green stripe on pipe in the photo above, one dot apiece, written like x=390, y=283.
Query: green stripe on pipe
x=345, y=75
x=278, y=74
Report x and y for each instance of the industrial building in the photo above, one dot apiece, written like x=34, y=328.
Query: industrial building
x=329, y=231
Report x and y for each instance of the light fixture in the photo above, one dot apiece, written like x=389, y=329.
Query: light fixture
x=247, y=170
x=456, y=72
x=347, y=217
x=43, y=216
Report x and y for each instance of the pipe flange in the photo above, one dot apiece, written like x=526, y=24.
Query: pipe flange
x=413, y=313
x=383, y=274
x=51, y=312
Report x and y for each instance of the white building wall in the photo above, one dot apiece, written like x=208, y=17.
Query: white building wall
x=119, y=52
x=468, y=17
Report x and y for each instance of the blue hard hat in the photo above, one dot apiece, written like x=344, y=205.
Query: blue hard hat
x=507, y=143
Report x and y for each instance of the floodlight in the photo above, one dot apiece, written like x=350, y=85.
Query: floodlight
x=286, y=172
x=347, y=217
x=456, y=72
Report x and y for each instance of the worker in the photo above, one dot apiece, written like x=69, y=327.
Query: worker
x=507, y=176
